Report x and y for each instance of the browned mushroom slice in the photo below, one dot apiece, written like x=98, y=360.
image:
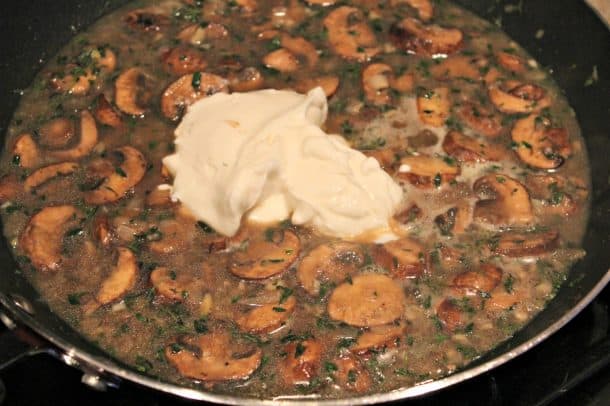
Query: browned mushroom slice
x=426, y=172
x=147, y=20
x=172, y=285
x=515, y=97
x=121, y=279
x=187, y=90
x=511, y=62
x=25, y=152
x=130, y=91
x=376, y=83
x=105, y=113
x=267, y=317
x=378, y=337
x=386, y=157
x=505, y=201
x=195, y=34
x=403, y=258
x=41, y=240
x=302, y=362
x=159, y=198
x=265, y=254
x=484, y=279
x=349, y=373
x=101, y=230
x=367, y=300
x=459, y=67
x=42, y=175
x=73, y=84
x=328, y=262
x=481, y=119
x=213, y=357
x=517, y=244
x=10, y=188
x=56, y=133
x=323, y=3
x=451, y=315
x=469, y=149
x=329, y=84
x=172, y=235
x=429, y=40
x=281, y=60
x=349, y=34
x=126, y=175
x=539, y=145
x=423, y=139
x=88, y=140
x=246, y=80
x=551, y=189
x=301, y=47
x=433, y=106
x=182, y=60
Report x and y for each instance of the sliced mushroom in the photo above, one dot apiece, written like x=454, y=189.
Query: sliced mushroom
x=387, y=158
x=177, y=286
x=350, y=374
x=433, y=107
x=514, y=97
x=121, y=280
x=404, y=258
x=378, y=338
x=328, y=83
x=213, y=357
x=328, y=262
x=182, y=60
x=87, y=140
x=195, y=34
x=539, y=145
x=376, y=83
x=425, y=171
x=451, y=315
x=10, y=188
x=281, y=60
x=481, y=119
x=105, y=113
x=131, y=91
x=147, y=20
x=484, y=279
x=128, y=174
x=469, y=149
x=511, y=62
x=188, y=89
x=173, y=235
x=41, y=239
x=246, y=80
x=302, y=362
x=552, y=190
x=349, y=34
x=265, y=254
x=56, y=133
x=25, y=151
x=267, y=317
x=301, y=47
x=506, y=201
x=367, y=300
x=73, y=84
x=46, y=173
x=428, y=40
x=524, y=244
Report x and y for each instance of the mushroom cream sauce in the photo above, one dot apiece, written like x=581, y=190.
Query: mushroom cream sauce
x=483, y=144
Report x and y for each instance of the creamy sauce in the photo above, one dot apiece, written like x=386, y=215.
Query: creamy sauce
x=263, y=153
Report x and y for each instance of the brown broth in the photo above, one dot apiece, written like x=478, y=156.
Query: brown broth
x=449, y=317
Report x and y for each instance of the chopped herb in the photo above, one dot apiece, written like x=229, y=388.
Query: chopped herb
x=278, y=309
x=196, y=82
x=143, y=365
x=299, y=350
x=120, y=171
x=74, y=298
x=286, y=293
x=16, y=160
x=346, y=342
x=508, y=284
x=205, y=228
x=201, y=325
x=330, y=367
x=75, y=232
x=352, y=376
x=437, y=180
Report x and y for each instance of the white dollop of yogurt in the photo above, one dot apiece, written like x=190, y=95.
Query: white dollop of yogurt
x=262, y=154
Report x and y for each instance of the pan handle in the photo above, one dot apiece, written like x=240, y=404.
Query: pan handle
x=18, y=343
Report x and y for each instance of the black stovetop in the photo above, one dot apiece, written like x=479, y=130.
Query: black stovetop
x=541, y=376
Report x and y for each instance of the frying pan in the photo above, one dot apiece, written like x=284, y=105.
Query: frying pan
x=566, y=37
